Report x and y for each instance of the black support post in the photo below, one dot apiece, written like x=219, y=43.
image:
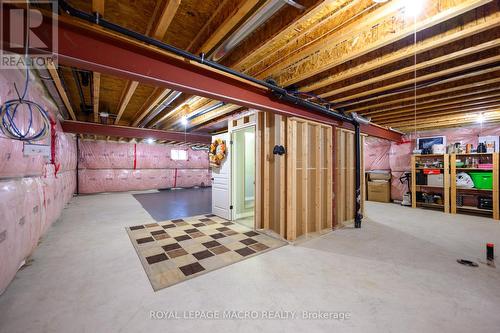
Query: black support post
x=357, y=142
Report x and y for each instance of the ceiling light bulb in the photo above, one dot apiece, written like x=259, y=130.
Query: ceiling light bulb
x=150, y=140
x=184, y=121
x=413, y=7
x=480, y=118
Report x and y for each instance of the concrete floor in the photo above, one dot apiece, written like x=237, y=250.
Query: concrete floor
x=397, y=274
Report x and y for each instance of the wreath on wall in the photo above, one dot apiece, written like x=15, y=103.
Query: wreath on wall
x=217, y=152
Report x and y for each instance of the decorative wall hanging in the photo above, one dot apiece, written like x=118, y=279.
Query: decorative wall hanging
x=217, y=152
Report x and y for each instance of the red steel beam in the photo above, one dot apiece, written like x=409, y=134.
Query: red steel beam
x=92, y=48
x=80, y=127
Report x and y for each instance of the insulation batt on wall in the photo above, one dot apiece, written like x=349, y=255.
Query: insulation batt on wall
x=399, y=154
x=117, y=167
x=33, y=191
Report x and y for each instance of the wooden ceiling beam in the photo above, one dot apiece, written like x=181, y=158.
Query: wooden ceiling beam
x=158, y=32
x=430, y=106
x=428, y=77
x=453, y=79
x=384, y=26
x=96, y=77
x=125, y=99
x=412, y=68
x=320, y=21
x=445, y=112
x=60, y=89
x=428, y=97
x=213, y=114
x=228, y=25
x=451, y=124
x=166, y=17
x=433, y=100
x=98, y=6
x=151, y=103
x=489, y=117
x=437, y=41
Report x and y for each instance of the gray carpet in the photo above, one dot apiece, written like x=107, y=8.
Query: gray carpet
x=172, y=204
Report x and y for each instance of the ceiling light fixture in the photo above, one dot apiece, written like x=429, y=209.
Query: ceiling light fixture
x=480, y=118
x=413, y=7
x=184, y=121
x=150, y=140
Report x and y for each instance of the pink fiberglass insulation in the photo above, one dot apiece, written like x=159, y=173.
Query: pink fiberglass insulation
x=400, y=156
x=397, y=188
x=119, y=167
x=121, y=180
x=376, y=154
x=32, y=193
x=106, y=155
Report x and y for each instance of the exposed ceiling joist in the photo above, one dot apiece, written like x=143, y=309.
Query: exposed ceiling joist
x=438, y=41
x=228, y=25
x=455, y=78
x=422, y=78
x=384, y=26
x=96, y=77
x=60, y=89
x=419, y=66
x=444, y=112
x=98, y=6
x=152, y=102
x=429, y=105
x=166, y=17
x=440, y=94
x=125, y=99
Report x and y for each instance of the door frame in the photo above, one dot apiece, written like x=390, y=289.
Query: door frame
x=233, y=160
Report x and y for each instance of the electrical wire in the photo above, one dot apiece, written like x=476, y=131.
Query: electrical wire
x=10, y=109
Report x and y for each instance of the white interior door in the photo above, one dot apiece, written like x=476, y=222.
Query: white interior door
x=221, y=182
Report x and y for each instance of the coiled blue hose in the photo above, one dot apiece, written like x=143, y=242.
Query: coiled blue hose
x=8, y=113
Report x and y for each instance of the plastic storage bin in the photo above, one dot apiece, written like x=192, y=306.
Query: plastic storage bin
x=482, y=180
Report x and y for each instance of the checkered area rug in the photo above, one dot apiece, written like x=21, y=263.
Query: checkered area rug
x=175, y=250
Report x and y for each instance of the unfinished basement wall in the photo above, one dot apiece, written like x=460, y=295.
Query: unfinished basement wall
x=117, y=167
x=33, y=189
x=345, y=177
x=294, y=190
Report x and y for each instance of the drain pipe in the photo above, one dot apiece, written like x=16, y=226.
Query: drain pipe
x=277, y=91
x=358, y=120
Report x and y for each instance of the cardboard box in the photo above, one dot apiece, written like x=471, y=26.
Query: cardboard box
x=379, y=191
x=379, y=175
x=435, y=180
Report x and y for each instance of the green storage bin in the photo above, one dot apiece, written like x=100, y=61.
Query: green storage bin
x=482, y=180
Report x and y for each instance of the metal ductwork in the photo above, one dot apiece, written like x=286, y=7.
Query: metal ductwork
x=258, y=18
x=166, y=102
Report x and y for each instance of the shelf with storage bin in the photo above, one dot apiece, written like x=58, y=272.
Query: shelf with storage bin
x=484, y=168
x=435, y=195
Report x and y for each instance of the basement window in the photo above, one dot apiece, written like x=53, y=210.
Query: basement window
x=178, y=155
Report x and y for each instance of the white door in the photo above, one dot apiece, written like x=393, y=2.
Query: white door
x=221, y=182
